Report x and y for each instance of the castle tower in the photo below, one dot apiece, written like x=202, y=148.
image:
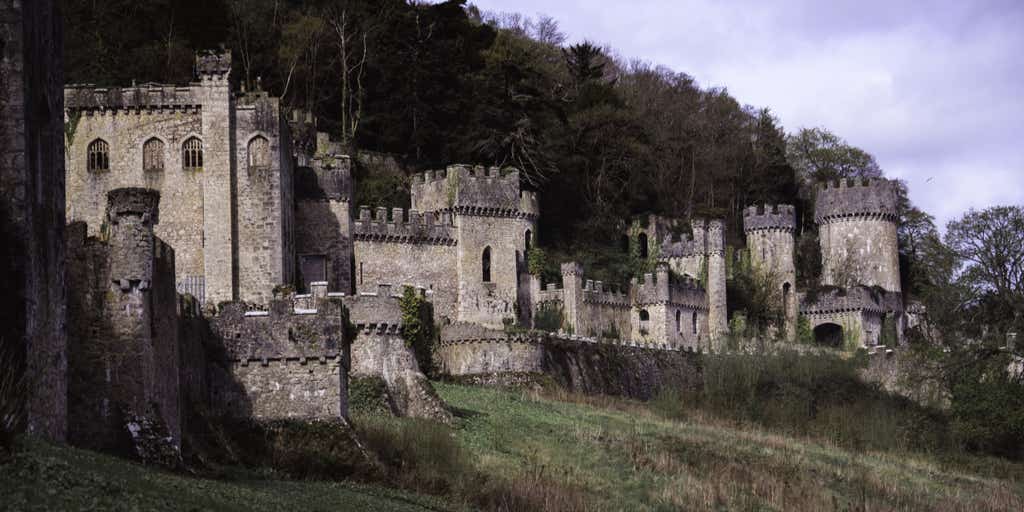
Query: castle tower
x=769, y=231
x=857, y=232
x=718, y=324
x=220, y=219
x=572, y=298
x=493, y=219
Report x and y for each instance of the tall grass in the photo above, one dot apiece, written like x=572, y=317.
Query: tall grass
x=423, y=456
x=809, y=394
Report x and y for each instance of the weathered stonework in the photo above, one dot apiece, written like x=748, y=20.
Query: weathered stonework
x=31, y=208
x=229, y=215
x=579, y=364
x=770, y=232
x=286, y=362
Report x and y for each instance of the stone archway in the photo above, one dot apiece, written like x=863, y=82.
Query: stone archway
x=829, y=334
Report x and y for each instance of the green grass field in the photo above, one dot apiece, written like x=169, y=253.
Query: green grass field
x=566, y=452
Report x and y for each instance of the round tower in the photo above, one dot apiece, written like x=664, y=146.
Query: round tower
x=769, y=230
x=718, y=323
x=857, y=232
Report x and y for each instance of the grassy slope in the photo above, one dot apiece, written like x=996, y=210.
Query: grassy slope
x=619, y=453
x=44, y=477
x=628, y=458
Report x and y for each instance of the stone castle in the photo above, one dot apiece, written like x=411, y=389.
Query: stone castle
x=212, y=259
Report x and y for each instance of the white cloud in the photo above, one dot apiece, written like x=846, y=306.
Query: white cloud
x=932, y=89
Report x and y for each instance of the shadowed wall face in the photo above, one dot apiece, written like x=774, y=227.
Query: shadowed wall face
x=32, y=206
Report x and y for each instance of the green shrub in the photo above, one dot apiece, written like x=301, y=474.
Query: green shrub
x=548, y=317
x=368, y=396
x=536, y=261
x=987, y=405
x=818, y=395
x=418, y=329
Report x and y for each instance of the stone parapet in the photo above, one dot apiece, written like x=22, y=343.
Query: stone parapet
x=426, y=227
x=872, y=198
x=780, y=217
x=145, y=97
x=860, y=298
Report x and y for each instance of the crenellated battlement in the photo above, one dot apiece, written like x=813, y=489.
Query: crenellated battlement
x=707, y=238
x=780, y=217
x=857, y=198
x=91, y=99
x=856, y=299
x=473, y=191
x=417, y=227
x=281, y=331
x=662, y=287
x=213, y=64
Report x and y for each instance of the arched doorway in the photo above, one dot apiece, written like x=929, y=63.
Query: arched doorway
x=829, y=335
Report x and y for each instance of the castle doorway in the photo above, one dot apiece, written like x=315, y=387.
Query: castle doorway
x=829, y=335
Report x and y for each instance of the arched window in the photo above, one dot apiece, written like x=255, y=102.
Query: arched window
x=192, y=154
x=99, y=155
x=486, y=264
x=785, y=295
x=642, y=241
x=529, y=239
x=153, y=155
x=694, y=321
x=645, y=319
x=679, y=324
x=259, y=153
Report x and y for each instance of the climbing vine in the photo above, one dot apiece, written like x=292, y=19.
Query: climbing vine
x=418, y=327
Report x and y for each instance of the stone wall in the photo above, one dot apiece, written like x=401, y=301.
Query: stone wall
x=379, y=351
x=489, y=303
x=31, y=207
x=323, y=221
x=125, y=132
x=427, y=265
x=284, y=362
x=265, y=245
x=124, y=340
x=578, y=364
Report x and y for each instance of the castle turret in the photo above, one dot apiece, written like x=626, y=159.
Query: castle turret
x=857, y=232
x=769, y=230
x=572, y=283
x=219, y=215
x=718, y=325
x=493, y=220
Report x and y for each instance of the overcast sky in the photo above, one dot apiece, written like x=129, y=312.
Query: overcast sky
x=933, y=89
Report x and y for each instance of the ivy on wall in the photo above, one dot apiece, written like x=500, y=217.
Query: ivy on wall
x=418, y=329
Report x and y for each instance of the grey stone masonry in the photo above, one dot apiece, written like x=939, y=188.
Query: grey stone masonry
x=780, y=217
x=32, y=268
x=855, y=198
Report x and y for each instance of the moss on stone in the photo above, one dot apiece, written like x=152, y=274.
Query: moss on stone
x=368, y=396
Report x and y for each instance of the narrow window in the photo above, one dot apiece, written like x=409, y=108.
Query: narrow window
x=259, y=153
x=153, y=155
x=529, y=236
x=192, y=154
x=645, y=319
x=785, y=295
x=679, y=324
x=642, y=240
x=694, y=321
x=486, y=263
x=360, y=272
x=99, y=155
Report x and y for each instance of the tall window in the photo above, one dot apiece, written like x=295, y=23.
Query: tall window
x=529, y=239
x=153, y=155
x=693, y=320
x=679, y=324
x=99, y=155
x=645, y=321
x=259, y=153
x=486, y=264
x=642, y=241
x=192, y=154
